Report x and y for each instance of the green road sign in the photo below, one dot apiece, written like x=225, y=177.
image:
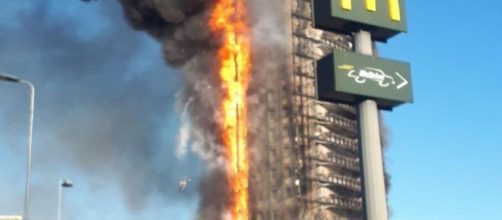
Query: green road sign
x=351, y=77
x=383, y=18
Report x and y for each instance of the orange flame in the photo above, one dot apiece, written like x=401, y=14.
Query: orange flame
x=228, y=18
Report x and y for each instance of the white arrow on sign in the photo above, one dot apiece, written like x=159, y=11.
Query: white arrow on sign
x=404, y=83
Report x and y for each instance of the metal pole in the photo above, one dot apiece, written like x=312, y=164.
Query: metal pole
x=10, y=78
x=62, y=184
x=371, y=149
x=30, y=144
x=59, y=198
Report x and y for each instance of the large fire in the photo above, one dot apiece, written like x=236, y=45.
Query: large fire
x=229, y=20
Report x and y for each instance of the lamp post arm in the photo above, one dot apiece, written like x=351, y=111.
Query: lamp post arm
x=9, y=78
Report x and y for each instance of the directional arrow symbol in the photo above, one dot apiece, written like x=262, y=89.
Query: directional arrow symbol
x=404, y=83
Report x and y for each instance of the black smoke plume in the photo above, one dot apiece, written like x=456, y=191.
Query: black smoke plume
x=182, y=28
x=188, y=43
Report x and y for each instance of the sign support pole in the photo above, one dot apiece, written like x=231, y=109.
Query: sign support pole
x=370, y=145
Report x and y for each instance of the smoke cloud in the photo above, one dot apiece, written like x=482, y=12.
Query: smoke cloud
x=184, y=132
x=104, y=104
x=188, y=44
x=181, y=27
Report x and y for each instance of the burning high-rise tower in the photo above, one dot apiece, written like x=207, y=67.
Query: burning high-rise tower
x=309, y=167
x=323, y=158
x=275, y=151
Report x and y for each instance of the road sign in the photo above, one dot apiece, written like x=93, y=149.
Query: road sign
x=11, y=217
x=383, y=18
x=350, y=77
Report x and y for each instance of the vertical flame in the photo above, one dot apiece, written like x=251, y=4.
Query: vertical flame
x=228, y=19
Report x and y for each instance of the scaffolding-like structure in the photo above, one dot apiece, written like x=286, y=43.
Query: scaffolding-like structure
x=311, y=167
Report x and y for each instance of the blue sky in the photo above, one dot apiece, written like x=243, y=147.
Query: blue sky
x=445, y=149
x=105, y=115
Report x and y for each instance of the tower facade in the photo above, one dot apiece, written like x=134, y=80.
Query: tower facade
x=309, y=167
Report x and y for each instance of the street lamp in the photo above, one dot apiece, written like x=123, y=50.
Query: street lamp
x=9, y=78
x=63, y=183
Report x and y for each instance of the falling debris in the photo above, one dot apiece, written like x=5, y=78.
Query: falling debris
x=182, y=184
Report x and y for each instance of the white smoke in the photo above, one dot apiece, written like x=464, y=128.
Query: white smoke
x=184, y=132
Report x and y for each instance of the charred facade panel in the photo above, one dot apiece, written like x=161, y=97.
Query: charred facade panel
x=313, y=162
